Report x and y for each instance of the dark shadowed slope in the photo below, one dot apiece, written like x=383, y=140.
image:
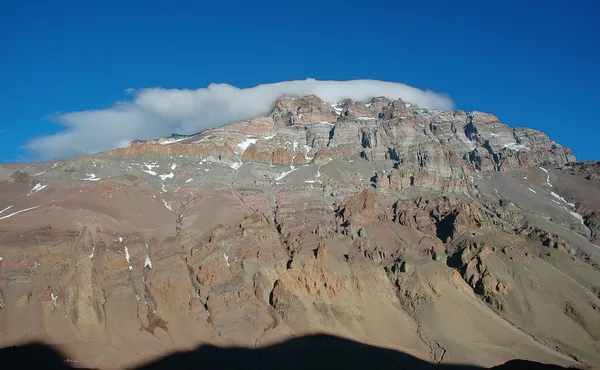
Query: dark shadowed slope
x=310, y=352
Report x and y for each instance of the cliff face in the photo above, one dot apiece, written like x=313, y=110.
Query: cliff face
x=437, y=149
x=422, y=231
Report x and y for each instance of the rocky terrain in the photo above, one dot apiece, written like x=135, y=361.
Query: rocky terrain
x=448, y=236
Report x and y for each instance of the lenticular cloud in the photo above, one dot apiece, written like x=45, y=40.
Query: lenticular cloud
x=157, y=112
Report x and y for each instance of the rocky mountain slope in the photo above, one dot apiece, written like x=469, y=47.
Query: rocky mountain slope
x=448, y=236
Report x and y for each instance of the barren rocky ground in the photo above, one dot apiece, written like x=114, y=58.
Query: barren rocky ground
x=448, y=236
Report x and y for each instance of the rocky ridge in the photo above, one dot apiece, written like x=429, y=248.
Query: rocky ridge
x=446, y=235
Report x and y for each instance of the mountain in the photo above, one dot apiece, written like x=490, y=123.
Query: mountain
x=448, y=236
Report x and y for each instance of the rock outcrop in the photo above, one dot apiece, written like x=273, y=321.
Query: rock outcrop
x=359, y=219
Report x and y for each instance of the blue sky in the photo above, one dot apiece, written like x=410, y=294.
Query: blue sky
x=533, y=65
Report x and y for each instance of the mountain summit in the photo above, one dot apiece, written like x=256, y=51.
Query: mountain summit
x=446, y=235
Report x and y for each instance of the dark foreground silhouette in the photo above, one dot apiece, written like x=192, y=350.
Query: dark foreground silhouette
x=311, y=352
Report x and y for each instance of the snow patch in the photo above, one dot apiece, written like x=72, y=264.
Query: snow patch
x=516, y=147
x=16, y=213
x=366, y=118
x=36, y=188
x=54, y=298
x=284, y=174
x=93, y=252
x=173, y=166
x=577, y=216
x=6, y=209
x=189, y=180
x=226, y=259
x=562, y=199
x=150, y=166
x=167, y=176
x=337, y=108
x=246, y=143
x=147, y=261
x=547, y=177
x=167, y=205
x=127, y=257
x=235, y=165
x=91, y=177
x=171, y=141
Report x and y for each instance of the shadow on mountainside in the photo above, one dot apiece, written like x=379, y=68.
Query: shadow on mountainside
x=310, y=352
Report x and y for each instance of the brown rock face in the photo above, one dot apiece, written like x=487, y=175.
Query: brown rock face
x=19, y=176
x=254, y=155
x=281, y=156
x=302, y=111
x=359, y=219
x=362, y=204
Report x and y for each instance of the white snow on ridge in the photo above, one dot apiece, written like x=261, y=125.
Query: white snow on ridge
x=171, y=141
x=127, y=258
x=37, y=188
x=577, y=216
x=561, y=198
x=150, y=166
x=147, y=260
x=516, y=147
x=15, y=213
x=6, y=209
x=163, y=177
x=284, y=174
x=530, y=189
x=337, y=108
x=366, y=118
x=91, y=177
x=167, y=205
x=547, y=177
x=226, y=259
x=246, y=143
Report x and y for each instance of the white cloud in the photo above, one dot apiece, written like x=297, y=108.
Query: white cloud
x=157, y=112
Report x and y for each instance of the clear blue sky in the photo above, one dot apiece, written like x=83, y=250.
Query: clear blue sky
x=532, y=63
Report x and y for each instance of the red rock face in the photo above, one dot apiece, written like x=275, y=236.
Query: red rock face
x=390, y=220
x=281, y=156
x=252, y=154
x=362, y=204
x=302, y=111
